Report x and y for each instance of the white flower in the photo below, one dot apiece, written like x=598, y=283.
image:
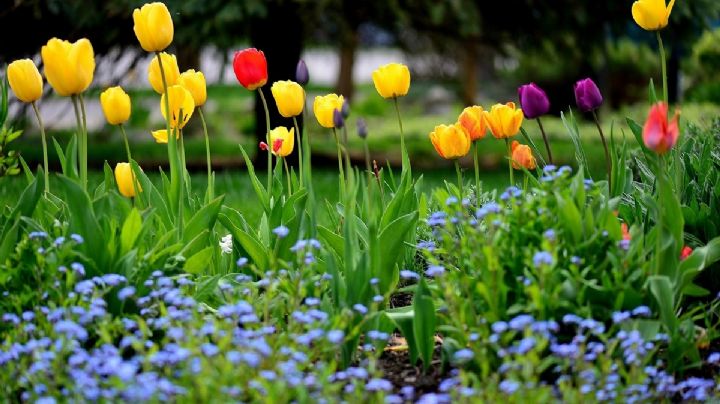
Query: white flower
x=226, y=244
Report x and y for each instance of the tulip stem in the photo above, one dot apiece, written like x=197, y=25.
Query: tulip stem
x=477, y=174
x=608, y=162
x=545, y=139
x=211, y=186
x=287, y=172
x=510, y=169
x=367, y=159
x=78, y=119
x=44, y=146
x=300, y=150
x=459, y=177
x=267, y=140
x=84, y=142
x=175, y=180
x=663, y=65
x=402, y=133
x=127, y=144
x=340, y=159
x=658, y=236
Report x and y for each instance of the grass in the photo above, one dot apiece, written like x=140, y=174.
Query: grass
x=239, y=194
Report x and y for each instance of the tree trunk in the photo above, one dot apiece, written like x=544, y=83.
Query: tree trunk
x=469, y=72
x=348, y=48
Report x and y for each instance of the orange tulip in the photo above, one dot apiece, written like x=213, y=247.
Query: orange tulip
x=473, y=120
x=522, y=156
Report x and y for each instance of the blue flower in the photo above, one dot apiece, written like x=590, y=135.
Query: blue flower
x=281, y=231
x=451, y=200
x=435, y=270
x=509, y=386
x=241, y=262
x=59, y=241
x=436, y=219
x=550, y=235
x=378, y=385
x=335, y=336
x=78, y=268
x=360, y=308
x=499, y=327
x=126, y=292
x=542, y=258
x=407, y=274
x=620, y=316
x=641, y=311
x=714, y=358
x=77, y=238
x=521, y=322
x=37, y=235
x=463, y=355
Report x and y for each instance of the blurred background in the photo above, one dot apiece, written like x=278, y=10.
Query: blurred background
x=460, y=53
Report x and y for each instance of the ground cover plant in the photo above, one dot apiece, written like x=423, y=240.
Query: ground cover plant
x=368, y=284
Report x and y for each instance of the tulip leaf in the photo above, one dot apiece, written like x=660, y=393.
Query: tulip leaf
x=204, y=219
x=260, y=191
x=424, y=323
x=200, y=261
x=130, y=230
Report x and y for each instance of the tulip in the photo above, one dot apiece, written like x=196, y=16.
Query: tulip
x=345, y=110
x=126, y=180
x=587, y=95
x=533, y=101
x=161, y=135
x=659, y=135
x=170, y=67
x=69, y=67
x=625, y=232
x=250, y=68
x=115, y=105
x=451, y=141
x=362, y=129
x=324, y=108
x=522, y=156
x=686, y=251
x=473, y=120
x=652, y=15
x=286, y=141
x=392, y=80
x=181, y=102
x=25, y=80
x=195, y=83
x=338, y=120
x=289, y=98
x=153, y=26
x=504, y=120
x=302, y=76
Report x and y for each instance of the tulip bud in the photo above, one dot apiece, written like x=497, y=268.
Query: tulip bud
x=659, y=135
x=69, y=67
x=450, y=141
x=392, y=80
x=587, y=95
x=170, y=67
x=25, y=80
x=362, y=128
x=686, y=251
x=533, y=101
x=115, y=105
x=338, y=119
x=153, y=26
x=250, y=67
x=283, y=141
x=345, y=110
x=289, y=98
x=324, y=108
x=126, y=181
x=652, y=15
x=302, y=76
x=522, y=156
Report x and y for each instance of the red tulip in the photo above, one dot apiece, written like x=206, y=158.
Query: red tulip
x=660, y=135
x=686, y=251
x=250, y=68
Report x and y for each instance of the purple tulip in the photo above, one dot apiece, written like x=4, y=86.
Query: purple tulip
x=587, y=95
x=362, y=128
x=533, y=101
x=338, y=119
x=301, y=73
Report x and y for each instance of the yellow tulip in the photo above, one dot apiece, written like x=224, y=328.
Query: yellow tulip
x=115, y=105
x=392, y=80
x=124, y=177
x=282, y=141
x=522, y=156
x=195, y=83
x=161, y=135
x=324, y=108
x=652, y=15
x=289, y=98
x=451, y=141
x=504, y=120
x=170, y=67
x=69, y=67
x=25, y=80
x=181, y=102
x=153, y=26
x=473, y=120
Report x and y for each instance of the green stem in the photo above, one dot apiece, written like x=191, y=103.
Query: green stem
x=78, y=120
x=287, y=172
x=267, y=140
x=175, y=181
x=367, y=159
x=459, y=177
x=299, y=150
x=545, y=139
x=663, y=64
x=403, y=150
x=127, y=144
x=658, y=236
x=84, y=138
x=210, y=189
x=44, y=147
x=477, y=174
x=608, y=162
x=510, y=169
x=340, y=159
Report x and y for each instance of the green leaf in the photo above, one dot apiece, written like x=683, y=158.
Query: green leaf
x=662, y=291
x=130, y=230
x=198, y=263
x=83, y=222
x=335, y=241
x=260, y=191
x=204, y=219
x=424, y=323
x=404, y=320
x=256, y=251
x=570, y=217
